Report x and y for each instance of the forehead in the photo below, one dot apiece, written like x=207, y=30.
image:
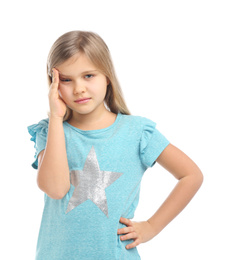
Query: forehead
x=76, y=63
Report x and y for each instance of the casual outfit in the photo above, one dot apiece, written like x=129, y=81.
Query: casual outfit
x=106, y=168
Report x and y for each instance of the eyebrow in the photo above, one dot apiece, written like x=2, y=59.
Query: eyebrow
x=84, y=72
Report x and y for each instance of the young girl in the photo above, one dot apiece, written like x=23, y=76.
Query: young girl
x=91, y=155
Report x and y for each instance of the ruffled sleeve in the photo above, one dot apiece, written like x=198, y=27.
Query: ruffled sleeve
x=38, y=134
x=152, y=143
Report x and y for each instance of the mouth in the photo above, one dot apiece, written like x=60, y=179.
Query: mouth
x=83, y=100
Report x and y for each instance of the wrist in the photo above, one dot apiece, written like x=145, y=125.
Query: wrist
x=55, y=119
x=154, y=227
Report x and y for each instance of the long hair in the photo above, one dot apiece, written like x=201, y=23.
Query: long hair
x=96, y=50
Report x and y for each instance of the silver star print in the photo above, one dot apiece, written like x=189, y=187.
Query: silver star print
x=90, y=183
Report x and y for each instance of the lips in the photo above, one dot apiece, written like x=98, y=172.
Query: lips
x=81, y=99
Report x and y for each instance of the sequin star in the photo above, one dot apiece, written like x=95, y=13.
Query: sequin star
x=90, y=183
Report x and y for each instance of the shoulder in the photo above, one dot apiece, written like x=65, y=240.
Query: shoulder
x=43, y=122
x=41, y=126
x=137, y=121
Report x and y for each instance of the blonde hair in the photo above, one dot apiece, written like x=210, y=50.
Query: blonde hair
x=97, y=51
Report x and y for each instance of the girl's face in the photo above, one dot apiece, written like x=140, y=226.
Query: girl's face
x=80, y=79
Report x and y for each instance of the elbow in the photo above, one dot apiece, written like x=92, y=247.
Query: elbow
x=195, y=179
x=53, y=192
x=56, y=194
x=198, y=179
x=201, y=179
x=61, y=193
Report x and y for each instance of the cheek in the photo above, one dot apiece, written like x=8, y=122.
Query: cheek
x=63, y=91
x=99, y=89
x=98, y=92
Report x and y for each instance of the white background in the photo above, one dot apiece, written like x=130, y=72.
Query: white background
x=170, y=59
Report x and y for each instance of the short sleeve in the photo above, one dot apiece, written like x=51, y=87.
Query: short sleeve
x=38, y=134
x=152, y=143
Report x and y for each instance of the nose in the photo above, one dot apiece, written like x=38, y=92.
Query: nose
x=79, y=87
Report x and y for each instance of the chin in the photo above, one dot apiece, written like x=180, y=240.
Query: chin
x=83, y=111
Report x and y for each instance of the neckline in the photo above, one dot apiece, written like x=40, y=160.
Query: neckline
x=96, y=131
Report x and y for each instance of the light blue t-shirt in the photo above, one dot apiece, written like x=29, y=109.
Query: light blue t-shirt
x=106, y=169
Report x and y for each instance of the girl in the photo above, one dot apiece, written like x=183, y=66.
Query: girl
x=91, y=154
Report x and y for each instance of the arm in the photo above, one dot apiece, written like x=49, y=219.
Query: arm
x=53, y=170
x=189, y=179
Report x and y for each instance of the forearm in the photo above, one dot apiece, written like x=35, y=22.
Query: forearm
x=176, y=201
x=53, y=171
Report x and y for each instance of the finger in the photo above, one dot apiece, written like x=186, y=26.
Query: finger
x=126, y=221
x=132, y=245
x=131, y=235
x=55, y=77
x=125, y=230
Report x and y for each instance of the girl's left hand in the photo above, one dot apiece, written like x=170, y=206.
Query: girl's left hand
x=140, y=232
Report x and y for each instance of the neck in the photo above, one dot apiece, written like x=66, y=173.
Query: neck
x=91, y=120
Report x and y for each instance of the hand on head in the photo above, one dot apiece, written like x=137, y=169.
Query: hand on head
x=57, y=105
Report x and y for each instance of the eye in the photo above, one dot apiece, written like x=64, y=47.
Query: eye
x=88, y=76
x=65, y=80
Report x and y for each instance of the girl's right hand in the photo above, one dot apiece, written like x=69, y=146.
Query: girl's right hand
x=57, y=105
